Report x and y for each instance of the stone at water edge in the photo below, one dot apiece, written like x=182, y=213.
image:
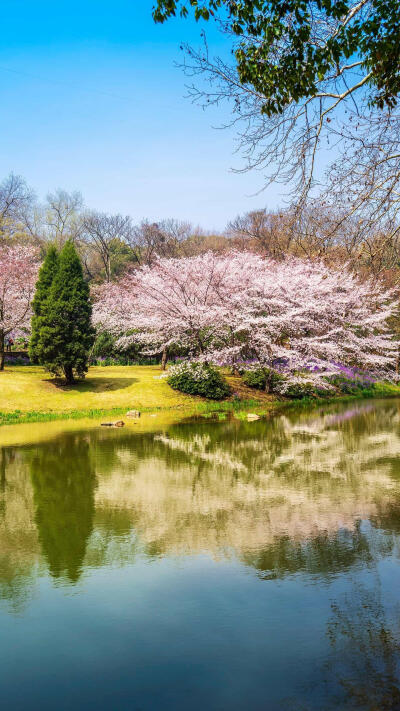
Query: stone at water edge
x=133, y=413
x=119, y=423
x=252, y=416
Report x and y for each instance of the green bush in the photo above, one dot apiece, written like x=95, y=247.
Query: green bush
x=386, y=389
x=16, y=360
x=121, y=359
x=350, y=386
x=106, y=352
x=256, y=378
x=298, y=391
x=104, y=345
x=262, y=379
x=198, y=379
x=299, y=388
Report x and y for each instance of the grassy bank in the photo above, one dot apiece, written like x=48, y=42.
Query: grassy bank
x=28, y=395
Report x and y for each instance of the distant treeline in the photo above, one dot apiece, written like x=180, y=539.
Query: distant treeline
x=108, y=244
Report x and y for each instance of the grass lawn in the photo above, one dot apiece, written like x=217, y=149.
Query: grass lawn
x=28, y=388
x=28, y=393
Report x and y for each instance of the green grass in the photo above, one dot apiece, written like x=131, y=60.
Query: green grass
x=29, y=395
x=205, y=409
x=18, y=417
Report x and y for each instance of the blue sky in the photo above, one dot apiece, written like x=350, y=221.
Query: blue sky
x=91, y=100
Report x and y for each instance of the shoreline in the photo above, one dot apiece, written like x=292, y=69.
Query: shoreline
x=202, y=409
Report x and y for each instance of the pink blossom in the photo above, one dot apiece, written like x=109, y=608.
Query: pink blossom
x=230, y=307
x=18, y=273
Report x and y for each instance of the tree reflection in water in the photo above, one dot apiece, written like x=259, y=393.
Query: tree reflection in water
x=365, y=640
x=63, y=479
x=283, y=496
x=311, y=500
x=309, y=492
x=18, y=536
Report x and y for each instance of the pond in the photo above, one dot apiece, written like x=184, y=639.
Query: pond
x=203, y=565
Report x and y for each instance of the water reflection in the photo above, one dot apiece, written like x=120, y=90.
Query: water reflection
x=365, y=641
x=284, y=496
x=323, y=555
x=303, y=511
x=63, y=480
x=19, y=547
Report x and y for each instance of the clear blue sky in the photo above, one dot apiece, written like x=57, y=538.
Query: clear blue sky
x=91, y=100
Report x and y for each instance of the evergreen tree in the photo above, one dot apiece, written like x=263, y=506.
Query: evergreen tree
x=46, y=276
x=66, y=334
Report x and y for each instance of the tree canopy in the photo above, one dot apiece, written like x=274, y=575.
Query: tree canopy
x=18, y=271
x=308, y=75
x=290, y=46
x=47, y=272
x=237, y=306
x=66, y=334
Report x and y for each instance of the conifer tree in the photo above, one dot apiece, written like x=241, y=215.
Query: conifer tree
x=46, y=276
x=66, y=333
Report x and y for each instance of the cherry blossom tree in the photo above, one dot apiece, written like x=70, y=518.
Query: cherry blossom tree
x=293, y=314
x=175, y=302
x=305, y=315
x=18, y=272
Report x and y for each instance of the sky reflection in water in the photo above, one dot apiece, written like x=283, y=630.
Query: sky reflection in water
x=220, y=565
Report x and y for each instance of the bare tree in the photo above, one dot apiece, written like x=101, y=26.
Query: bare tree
x=16, y=200
x=267, y=232
x=320, y=231
x=103, y=231
x=63, y=216
x=159, y=239
x=289, y=139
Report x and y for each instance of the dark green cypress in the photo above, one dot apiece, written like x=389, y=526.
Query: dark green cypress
x=47, y=273
x=66, y=333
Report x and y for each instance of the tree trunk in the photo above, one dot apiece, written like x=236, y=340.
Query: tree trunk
x=2, y=354
x=164, y=358
x=69, y=374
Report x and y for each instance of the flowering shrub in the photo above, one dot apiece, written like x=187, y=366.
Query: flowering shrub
x=198, y=379
x=298, y=387
x=262, y=379
x=12, y=359
x=350, y=386
x=351, y=380
x=121, y=359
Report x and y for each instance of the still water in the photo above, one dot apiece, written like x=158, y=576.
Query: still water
x=209, y=565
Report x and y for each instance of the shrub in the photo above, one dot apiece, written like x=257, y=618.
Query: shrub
x=263, y=379
x=103, y=346
x=121, y=359
x=386, y=388
x=350, y=386
x=198, y=379
x=298, y=387
x=16, y=360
